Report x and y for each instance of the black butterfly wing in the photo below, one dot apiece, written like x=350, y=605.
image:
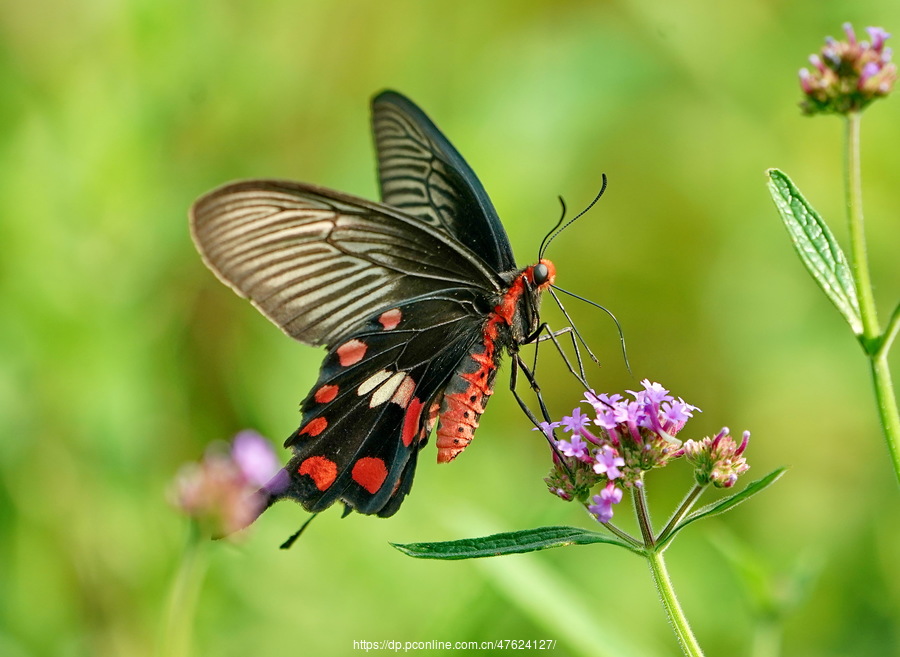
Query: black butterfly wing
x=316, y=262
x=376, y=401
x=398, y=302
x=422, y=174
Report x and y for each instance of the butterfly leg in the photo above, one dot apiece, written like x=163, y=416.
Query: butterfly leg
x=291, y=539
x=580, y=375
x=537, y=337
x=517, y=364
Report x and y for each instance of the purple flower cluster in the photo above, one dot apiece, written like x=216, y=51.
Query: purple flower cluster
x=624, y=438
x=848, y=75
x=223, y=491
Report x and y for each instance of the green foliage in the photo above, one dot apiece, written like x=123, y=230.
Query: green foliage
x=517, y=542
x=726, y=503
x=817, y=247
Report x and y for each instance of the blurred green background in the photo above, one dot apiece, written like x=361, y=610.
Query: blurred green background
x=121, y=356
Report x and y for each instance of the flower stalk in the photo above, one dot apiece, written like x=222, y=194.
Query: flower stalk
x=686, y=639
x=221, y=495
x=615, y=449
x=181, y=610
x=874, y=342
x=846, y=77
x=859, y=259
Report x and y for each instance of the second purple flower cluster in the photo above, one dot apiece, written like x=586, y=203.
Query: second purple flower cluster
x=623, y=438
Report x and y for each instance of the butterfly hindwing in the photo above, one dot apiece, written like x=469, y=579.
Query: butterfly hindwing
x=375, y=403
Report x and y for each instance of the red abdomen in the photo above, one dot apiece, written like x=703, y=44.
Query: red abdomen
x=472, y=383
x=465, y=397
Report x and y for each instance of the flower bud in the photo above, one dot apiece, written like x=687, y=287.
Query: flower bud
x=718, y=460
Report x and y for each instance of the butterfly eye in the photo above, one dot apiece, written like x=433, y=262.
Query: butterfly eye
x=540, y=274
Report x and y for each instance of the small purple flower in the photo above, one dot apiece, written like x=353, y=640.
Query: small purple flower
x=603, y=404
x=607, y=462
x=602, y=506
x=575, y=422
x=607, y=417
x=878, y=36
x=223, y=491
x=576, y=448
x=255, y=458
x=675, y=414
x=653, y=393
x=547, y=428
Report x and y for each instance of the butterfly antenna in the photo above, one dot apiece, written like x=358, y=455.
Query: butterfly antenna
x=293, y=538
x=560, y=227
x=550, y=233
x=604, y=309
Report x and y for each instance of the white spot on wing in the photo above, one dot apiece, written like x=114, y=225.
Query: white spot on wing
x=387, y=389
x=372, y=382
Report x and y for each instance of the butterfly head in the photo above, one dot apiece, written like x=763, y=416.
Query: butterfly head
x=523, y=301
x=541, y=275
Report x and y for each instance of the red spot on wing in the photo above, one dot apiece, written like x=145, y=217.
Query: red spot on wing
x=351, y=352
x=315, y=427
x=369, y=472
x=325, y=394
x=323, y=471
x=411, y=421
x=390, y=319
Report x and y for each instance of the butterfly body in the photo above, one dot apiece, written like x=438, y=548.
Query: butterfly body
x=415, y=298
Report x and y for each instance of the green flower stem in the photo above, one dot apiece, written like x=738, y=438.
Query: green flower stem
x=682, y=511
x=874, y=344
x=654, y=556
x=679, y=622
x=181, y=611
x=639, y=499
x=625, y=536
x=887, y=338
x=859, y=259
x=887, y=406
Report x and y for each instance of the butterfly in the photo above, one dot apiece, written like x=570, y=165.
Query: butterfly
x=415, y=298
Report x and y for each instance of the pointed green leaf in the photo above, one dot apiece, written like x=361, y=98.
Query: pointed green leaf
x=816, y=246
x=526, y=540
x=726, y=503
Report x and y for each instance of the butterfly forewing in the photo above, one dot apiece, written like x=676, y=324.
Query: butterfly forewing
x=422, y=174
x=315, y=261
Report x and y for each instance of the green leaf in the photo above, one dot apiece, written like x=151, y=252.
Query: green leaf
x=726, y=503
x=526, y=540
x=816, y=246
